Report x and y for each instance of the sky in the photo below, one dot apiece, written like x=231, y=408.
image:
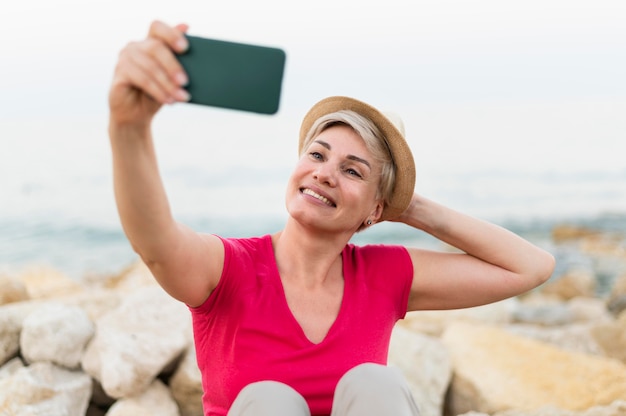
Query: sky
x=58, y=56
x=534, y=85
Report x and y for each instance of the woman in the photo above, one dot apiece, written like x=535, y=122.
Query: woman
x=298, y=322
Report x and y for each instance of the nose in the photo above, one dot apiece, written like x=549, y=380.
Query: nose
x=325, y=173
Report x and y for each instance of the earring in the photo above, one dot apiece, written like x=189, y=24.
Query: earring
x=369, y=222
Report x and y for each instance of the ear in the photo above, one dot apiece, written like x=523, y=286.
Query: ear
x=377, y=212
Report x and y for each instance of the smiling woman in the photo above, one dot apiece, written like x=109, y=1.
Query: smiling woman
x=299, y=321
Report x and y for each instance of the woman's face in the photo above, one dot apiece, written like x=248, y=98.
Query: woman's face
x=335, y=182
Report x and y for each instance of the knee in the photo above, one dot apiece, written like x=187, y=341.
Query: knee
x=268, y=388
x=268, y=397
x=370, y=378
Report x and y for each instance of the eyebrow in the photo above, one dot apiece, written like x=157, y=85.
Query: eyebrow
x=351, y=157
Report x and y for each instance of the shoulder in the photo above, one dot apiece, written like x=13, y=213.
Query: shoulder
x=242, y=257
x=386, y=271
x=246, y=245
x=241, y=252
x=379, y=257
x=376, y=251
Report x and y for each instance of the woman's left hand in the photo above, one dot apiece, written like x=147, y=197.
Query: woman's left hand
x=493, y=263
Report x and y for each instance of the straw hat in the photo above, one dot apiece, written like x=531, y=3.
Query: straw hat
x=392, y=129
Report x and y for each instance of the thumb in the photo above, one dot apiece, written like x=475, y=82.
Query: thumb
x=183, y=27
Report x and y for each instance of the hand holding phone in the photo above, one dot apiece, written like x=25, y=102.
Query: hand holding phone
x=233, y=75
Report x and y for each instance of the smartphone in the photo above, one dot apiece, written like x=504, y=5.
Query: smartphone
x=234, y=75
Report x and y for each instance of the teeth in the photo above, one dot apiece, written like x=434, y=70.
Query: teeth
x=318, y=196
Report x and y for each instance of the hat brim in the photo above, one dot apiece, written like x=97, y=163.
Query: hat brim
x=400, y=152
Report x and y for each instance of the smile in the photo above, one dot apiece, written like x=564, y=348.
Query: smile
x=315, y=195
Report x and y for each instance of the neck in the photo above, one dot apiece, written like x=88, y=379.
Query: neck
x=307, y=256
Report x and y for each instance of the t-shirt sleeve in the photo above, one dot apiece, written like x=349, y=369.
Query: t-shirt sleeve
x=388, y=270
x=226, y=282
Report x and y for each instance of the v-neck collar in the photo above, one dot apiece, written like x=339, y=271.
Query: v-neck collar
x=347, y=284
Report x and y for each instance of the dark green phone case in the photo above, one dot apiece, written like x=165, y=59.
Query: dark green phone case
x=234, y=75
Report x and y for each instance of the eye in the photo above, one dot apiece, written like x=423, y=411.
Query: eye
x=353, y=172
x=316, y=155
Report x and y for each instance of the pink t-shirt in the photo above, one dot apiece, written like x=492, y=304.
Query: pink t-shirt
x=245, y=331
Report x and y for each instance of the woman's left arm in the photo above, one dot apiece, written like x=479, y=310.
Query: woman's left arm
x=493, y=264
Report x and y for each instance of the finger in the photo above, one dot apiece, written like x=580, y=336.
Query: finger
x=145, y=81
x=183, y=27
x=168, y=70
x=150, y=75
x=174, y=37
x=145, y=73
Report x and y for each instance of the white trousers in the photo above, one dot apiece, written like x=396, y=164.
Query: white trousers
x=366, y=390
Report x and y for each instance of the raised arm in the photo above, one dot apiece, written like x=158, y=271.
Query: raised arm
x=493, y=264
x=186, y=264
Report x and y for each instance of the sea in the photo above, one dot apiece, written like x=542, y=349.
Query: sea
x=226, y=174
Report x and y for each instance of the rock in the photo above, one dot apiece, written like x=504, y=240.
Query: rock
x=617, y=304
x=45, y=283
x=95, y=302
x=592, y=310
x=551, y=311
x=547, y=314
x=56, y=333
x=45, y=389
x=612, y=338
x=604, y=245
x=11, y=318
x=565, y=232
x=155, y=400
x=496, y=371
x=575, y=338
x=11, y=290
x=425, y=364
x=435, y=322
x=11, y=367
x=136, y=276
x=572, y=284
x=136, y=341
x=617, y=408
x=619, y=285
x=617, y=297
x=186, y=385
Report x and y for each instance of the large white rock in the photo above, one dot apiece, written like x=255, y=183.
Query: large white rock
x=11, y=290
x=617, y=408
x=136, y=341
x=434, y=323
x=495, y=370
x=95, y=302
x=575, y=337
x=56, y=333
x=11, y=367
x=45, y=389
x=12, y=317
x=48, y=283
x=155, y=400
x=612, y=337
x=425, y=364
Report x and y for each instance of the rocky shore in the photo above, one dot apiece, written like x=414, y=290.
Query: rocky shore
x=118, y=345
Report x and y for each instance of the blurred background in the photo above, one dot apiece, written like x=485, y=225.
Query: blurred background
x=516, y=113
